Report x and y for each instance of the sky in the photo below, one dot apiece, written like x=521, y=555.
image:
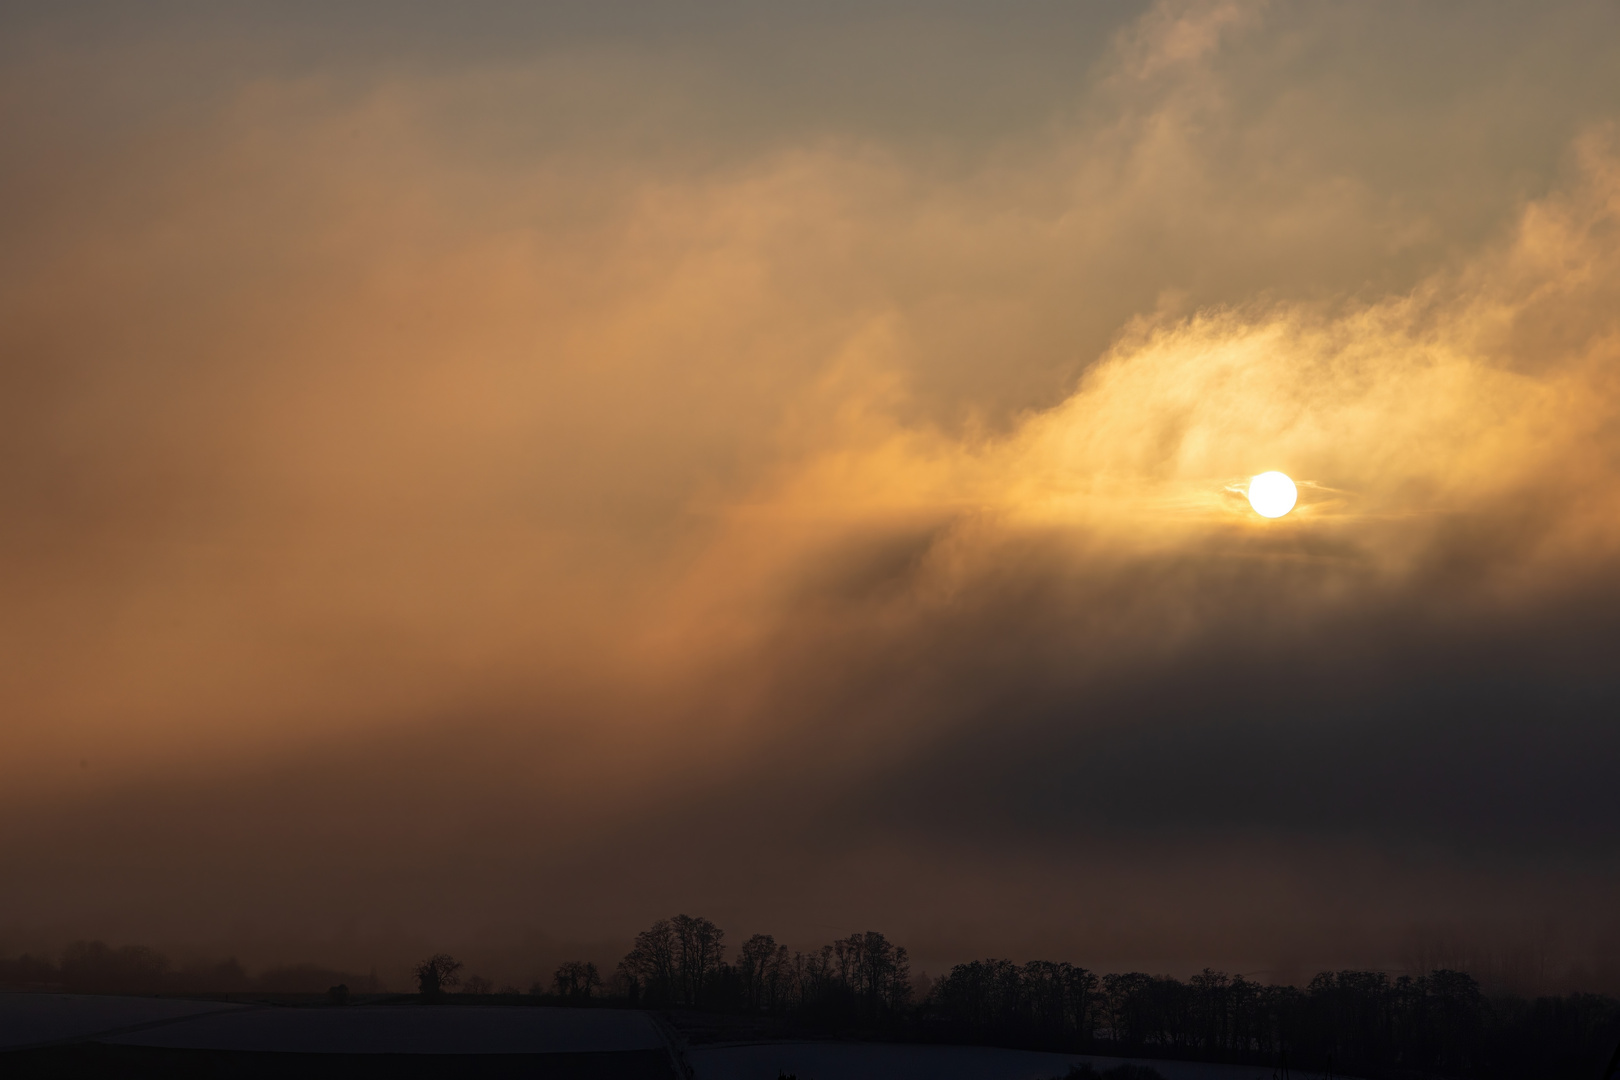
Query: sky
x=484, y=478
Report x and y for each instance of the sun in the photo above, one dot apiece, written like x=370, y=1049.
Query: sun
x=1272, y=494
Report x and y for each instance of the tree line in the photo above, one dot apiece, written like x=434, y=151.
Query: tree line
x=1363, y=1023
x=94, y=967
x=681, y=962
x=1359, y=1023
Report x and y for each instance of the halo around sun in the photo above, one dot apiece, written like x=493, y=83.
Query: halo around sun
x=1272, y=494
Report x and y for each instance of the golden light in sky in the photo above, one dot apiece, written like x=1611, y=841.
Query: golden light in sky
x=753, y=427
x=1272, y=494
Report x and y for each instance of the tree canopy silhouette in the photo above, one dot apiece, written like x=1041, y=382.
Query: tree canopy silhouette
x=437, y=974
x=576, y=980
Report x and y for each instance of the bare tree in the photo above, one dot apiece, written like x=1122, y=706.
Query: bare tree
x=700, y=953
x=649, y=967
x=762, y=967
x=675, y=960
x=437, y=974
x=873, y=969
x=576, y=980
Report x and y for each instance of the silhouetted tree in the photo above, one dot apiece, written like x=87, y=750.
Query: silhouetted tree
x=675, y=961
x=762, y=971
x=649, y=966
x=699, y=956
x=876, y=972
x=1059, y=1000
x=1442, y=1024
x=437, y=974
x=576, y=980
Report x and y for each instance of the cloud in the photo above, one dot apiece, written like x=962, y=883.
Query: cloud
x=539, y=468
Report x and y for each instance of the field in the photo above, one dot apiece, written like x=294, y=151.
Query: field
x=51, y=1035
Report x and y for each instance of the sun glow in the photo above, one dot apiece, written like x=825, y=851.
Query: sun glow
x=1272, y=494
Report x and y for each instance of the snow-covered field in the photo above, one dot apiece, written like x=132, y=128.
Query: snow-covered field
x=883, y=1061
x=360, y=1029
x=31, y=1020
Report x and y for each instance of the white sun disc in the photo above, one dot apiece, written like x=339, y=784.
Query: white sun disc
x=1272, y=494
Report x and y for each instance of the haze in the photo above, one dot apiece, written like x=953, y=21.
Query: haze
x=488, y=479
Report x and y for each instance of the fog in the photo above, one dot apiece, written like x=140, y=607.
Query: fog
x=488, y=482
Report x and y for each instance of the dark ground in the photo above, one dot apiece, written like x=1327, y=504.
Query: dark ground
x=97, y=1060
